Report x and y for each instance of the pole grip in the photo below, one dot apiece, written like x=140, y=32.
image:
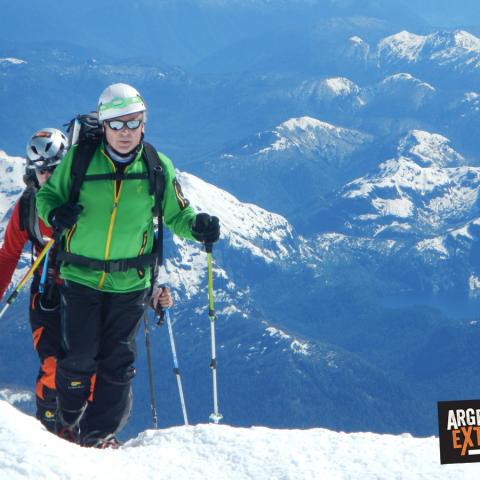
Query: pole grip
x=35, y=264
x=27, y=276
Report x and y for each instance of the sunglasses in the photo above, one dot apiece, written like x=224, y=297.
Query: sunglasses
x=118, y=125
x=44, y=170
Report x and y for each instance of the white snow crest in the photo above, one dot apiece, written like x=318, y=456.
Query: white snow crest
x=398, y=207
x=457, y=48
x=474, y=284
x=426, y=195
x=296, y=345
x=16, y=396
x=246, y=226
x=401, y=45
x=12, y=61
x=339, y=87
x=309, y=135
x=187, y=272
x=408, y=79
x=397, y=174
x=424, y=189
x=434, y=245
x=276, y=332
x=471, y=96
x=429, y=149
x=462, y=232
x=220, y=452
x=356, y=39
x=11, y=173
x=329, y=90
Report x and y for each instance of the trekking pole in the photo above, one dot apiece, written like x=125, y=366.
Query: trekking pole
x=215, y=417
x=153, y=403
x=176, y=369
x=11, y=299
x=43, y=279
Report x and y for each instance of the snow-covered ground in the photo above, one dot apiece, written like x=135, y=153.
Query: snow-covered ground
x=27, y=451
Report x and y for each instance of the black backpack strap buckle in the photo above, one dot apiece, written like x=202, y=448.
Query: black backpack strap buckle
x=115, y=266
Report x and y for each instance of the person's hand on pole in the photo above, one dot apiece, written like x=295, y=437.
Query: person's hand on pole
x=206, y=228
x=65, y=216
x=160, y=300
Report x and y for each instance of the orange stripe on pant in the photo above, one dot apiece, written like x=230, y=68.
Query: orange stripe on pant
x=36, y=336
x=49, y=367
x=33, y=301
x=92, y=386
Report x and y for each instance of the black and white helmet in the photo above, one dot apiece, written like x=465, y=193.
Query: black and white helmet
x=46, y=148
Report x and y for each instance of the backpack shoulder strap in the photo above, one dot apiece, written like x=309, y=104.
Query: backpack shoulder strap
x=29, y=216
x=156, y=178
x=80, y=162
x=155, y=175
x=24, y=209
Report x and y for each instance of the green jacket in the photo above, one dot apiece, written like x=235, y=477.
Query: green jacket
x=115, y=223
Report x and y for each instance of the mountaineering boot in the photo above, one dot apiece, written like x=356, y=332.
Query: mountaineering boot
x=69, y=431
x=46, y=413
x=72, y=401
x=101, y=440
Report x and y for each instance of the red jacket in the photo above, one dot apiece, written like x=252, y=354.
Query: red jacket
x=13, y=243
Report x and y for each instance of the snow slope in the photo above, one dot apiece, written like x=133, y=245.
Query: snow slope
x=27, y=451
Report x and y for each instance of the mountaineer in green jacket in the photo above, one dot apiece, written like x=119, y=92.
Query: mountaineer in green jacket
x=109, y=259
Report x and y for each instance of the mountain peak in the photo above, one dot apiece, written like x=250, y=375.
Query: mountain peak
x=304, y=123
x=339, y=86
x=312, y=136
x=429, y=149
x=404, y=45
x=441, y=47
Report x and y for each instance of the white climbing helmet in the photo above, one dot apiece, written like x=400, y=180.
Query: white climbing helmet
x=120, y=99
x=46, y=148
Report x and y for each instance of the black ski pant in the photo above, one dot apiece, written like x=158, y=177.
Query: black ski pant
x=95, y=368
x=44, y=315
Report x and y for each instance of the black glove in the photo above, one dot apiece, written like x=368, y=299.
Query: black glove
x=65, y=216
x=206, y=229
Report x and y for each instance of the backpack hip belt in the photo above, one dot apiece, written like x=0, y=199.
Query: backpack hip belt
x=108, y=266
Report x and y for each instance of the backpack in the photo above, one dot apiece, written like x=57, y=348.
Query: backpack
x=86, y=132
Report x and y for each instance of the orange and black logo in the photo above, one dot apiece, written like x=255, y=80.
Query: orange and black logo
x=182, y=201
x=459, y=431
x=43, y=134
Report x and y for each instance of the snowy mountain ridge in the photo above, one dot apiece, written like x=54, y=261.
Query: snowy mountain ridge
x=425, y=189
x=266, y=235
x=327, y=89
x=429, y=150
x=306, y=136
x=350, y=96
x=458, y=48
